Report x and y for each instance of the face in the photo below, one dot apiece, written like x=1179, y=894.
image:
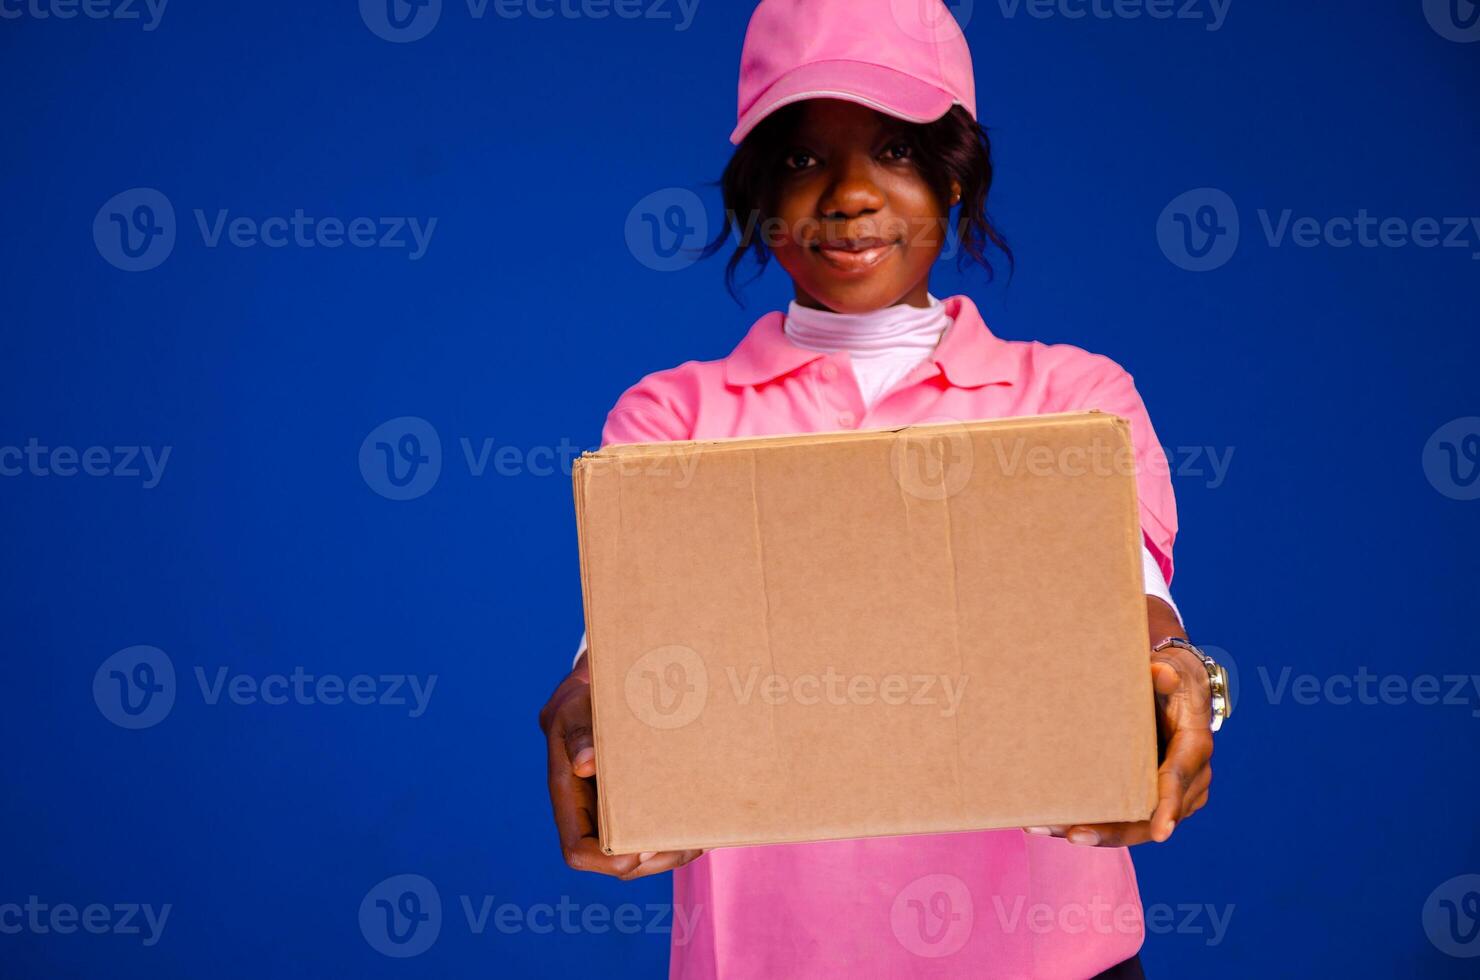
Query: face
x=858, y=226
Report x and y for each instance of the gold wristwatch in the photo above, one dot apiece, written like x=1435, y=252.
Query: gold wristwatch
x=1221, y=706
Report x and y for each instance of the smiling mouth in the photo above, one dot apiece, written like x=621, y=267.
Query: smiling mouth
x=853, y=254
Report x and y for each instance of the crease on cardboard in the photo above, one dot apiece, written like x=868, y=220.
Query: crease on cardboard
x=956, y=642
x=760, y=557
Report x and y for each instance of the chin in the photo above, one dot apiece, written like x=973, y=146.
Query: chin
x=861, y=296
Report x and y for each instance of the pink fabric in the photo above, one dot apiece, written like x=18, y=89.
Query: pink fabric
x=992, y=904
x=907, y=58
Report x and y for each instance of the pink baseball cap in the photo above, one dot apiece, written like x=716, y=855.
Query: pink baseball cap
x=905, y=58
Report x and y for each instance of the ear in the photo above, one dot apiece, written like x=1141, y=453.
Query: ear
x=955, y=193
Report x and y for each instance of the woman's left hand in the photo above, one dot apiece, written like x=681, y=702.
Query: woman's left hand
x=1184, y=731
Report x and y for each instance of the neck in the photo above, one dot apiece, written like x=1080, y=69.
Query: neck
x=881, y=346
x=919, y=295
x=902, y=328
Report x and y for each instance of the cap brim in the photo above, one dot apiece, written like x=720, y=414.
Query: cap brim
x=884, y=89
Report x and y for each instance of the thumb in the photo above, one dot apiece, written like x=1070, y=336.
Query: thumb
x=1164, y=678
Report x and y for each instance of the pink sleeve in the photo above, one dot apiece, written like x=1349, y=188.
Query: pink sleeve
x=1112, y=390
x=653, y=410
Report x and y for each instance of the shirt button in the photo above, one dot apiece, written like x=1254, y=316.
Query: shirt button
x=846, y=419
x=829, y=372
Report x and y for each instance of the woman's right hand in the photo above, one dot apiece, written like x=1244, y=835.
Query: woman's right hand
x=566, y=721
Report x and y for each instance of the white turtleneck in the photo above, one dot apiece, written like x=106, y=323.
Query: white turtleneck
x=883, y=345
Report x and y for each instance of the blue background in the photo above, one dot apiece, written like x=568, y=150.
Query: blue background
x=1325, y=370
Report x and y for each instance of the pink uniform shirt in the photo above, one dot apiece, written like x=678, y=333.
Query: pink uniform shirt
x=988, y=904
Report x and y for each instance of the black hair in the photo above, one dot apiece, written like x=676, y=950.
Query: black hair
x=953, y=149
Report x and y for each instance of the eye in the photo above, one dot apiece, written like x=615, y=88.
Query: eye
x=899, y=150
x=799, y=160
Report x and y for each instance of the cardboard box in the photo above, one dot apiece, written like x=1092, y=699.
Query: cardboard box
x=856, y=634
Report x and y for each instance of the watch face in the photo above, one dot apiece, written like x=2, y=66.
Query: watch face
x=1219, y=679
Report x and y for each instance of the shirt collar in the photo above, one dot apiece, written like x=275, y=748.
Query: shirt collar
x=969, y=355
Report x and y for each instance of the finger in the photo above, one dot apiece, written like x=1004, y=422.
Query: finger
x=1110, y=834
x=573, y=725
x=585, y=854
x=657, y=862
x=1058, y=831
x=1187, y=755
x=1183, y=688
x=1198, y=790
x=573, y=800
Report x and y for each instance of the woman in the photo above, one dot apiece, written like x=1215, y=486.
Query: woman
x=858, y=147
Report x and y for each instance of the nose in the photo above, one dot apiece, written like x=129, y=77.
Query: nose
x=852, y=192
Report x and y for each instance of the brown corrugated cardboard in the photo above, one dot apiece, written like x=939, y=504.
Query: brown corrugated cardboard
x=856, y=634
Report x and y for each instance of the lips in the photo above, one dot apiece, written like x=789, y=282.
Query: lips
x=854, y=254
